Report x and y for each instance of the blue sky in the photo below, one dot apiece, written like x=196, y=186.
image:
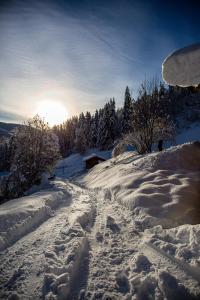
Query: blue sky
x=81, y=53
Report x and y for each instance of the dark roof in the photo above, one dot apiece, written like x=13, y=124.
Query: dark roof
x=93, y=155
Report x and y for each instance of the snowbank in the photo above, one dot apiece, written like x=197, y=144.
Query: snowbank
x=182, y=67
x=160, y=188
x=20, y=216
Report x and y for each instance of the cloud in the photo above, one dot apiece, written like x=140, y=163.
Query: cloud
x=7, y=116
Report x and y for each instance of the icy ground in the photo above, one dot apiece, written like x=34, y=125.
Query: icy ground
x=128, y=229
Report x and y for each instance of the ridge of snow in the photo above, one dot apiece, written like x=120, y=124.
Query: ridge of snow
x=20, y=216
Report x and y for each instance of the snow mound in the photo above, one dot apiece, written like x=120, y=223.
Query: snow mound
x=160, y=188
x=181, y=157
x=20, y=216
x=182, y=67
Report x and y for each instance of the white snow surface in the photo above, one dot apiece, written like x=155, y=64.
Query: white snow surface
x=182, y=67
x=18, y=217
x=127, y=229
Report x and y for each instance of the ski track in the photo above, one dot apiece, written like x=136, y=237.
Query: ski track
x=85, y=251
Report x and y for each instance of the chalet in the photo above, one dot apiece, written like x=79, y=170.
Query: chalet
x=92, y=160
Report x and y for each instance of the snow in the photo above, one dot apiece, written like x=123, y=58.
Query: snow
x=156, y=186
x=182, y=67
x=17, y=218
x=127, y=229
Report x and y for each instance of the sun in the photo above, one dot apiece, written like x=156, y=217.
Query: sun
x=53, y=112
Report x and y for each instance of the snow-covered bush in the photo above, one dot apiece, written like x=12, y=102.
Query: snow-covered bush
x=35, y=151
x=118, y=149
x=136, y=139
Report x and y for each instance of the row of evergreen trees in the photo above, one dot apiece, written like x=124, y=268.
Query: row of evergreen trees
x=98, y=130
x=109, y=124
x=87, y=131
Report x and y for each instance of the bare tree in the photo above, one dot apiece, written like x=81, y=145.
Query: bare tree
x=150, y=120
x=35, y=150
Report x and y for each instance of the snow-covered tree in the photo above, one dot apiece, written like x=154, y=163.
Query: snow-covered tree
x=94, y=129
x=87, y=129
x=107, y=126
x=4, y=153
x=127, y=112
x=80, y=142
x=35, y=151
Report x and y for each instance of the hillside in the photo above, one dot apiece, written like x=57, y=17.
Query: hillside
x=127, y=229
x=5, y=128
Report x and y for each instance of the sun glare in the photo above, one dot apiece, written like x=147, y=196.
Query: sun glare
x=54, y=112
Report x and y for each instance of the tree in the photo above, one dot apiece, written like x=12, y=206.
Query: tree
x=94, y=129
x=80, y=136
x=35, y=151
x=107, y=126
x=127, y=112
x=87, y=129
x=150, y=121
x=4, y=154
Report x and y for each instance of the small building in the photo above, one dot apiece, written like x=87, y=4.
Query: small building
x=92, y=160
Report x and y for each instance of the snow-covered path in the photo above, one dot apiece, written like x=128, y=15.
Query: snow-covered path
x=22, y=266
x=103, y=232
x=111, y=249
x=90, y=249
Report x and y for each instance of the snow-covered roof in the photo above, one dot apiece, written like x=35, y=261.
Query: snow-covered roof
x=92, y=156
x=182, y=67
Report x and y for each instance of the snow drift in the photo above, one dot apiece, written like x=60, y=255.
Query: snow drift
x=182, y=67
x=20, y=216
x=160, y=188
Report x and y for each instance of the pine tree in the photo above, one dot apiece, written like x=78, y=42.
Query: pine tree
x=94, y=129
x=127, y=112
x=107, y=126
x=87, y=128
x=80, y=136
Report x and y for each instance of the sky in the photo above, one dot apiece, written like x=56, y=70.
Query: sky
x=81, y=53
